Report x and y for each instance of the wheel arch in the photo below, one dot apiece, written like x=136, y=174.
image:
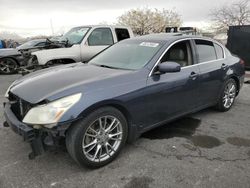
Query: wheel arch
x=236, y=79
x=133, y=132
x=13, y=58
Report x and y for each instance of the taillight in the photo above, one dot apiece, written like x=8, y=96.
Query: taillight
x=242, y=62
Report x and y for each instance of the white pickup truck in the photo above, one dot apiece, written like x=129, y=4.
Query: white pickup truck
x=82, y=43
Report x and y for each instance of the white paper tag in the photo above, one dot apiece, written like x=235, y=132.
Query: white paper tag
x=149, y=44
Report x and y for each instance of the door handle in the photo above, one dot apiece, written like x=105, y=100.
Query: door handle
x=193, y=75
x=224, y=66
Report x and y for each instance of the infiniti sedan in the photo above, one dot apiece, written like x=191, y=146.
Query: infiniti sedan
x=131, y=87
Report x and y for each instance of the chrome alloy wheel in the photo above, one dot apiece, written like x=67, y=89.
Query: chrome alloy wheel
x=229, y=95
x=102, y=138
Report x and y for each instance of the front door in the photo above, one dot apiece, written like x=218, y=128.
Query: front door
x=98, y=40
x=173, y=94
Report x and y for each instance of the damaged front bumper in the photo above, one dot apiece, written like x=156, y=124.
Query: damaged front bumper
x=40, y=139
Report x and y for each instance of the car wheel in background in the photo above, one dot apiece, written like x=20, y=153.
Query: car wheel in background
x=8, y=66
x=227, y=96
x=97, y=139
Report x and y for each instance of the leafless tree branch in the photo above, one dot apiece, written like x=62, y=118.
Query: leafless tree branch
x=145, y=21
x=237, y=13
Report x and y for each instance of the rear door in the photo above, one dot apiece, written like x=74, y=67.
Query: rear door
x=212, y=67
x=173, y=94
x=98, y=40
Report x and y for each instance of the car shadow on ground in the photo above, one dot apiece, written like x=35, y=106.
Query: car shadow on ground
x=185, y=128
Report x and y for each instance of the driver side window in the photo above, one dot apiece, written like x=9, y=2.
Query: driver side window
x=180, y=53
x=100, y=37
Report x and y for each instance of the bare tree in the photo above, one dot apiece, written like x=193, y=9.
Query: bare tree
x=145, y=21
x=237, y=13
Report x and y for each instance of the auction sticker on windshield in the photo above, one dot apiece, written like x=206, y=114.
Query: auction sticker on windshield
x=149, y=44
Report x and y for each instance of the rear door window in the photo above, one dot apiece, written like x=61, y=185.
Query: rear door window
x=41, y=44
x=205, y=50
x=121, y=34
x=219, y=51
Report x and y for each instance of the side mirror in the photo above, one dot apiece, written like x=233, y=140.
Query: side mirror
x=86, y=43
x=169, y=66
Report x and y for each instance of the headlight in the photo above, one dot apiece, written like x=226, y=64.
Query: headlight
x=50, y=113
x=7, y=92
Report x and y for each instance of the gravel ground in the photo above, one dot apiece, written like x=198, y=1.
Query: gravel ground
x=206, y=149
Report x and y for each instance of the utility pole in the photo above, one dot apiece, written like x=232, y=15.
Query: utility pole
x=51, y=25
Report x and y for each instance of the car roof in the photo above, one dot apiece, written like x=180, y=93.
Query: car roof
x=168, y=37
x=111, y=26
x=39, y=40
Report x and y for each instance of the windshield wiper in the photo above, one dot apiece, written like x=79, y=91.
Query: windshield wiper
x=110, y=67
x=106, y=66
x=66, y=42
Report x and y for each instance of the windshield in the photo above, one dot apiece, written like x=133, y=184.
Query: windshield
x=130, y=54
x=30, y=44
x=75, y=35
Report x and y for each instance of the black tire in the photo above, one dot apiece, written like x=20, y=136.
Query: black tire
x=76, y=134
x=221, y=103
x=8, y=66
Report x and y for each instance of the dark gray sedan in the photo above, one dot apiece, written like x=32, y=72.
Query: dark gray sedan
x=131, y=87
x=12, y=58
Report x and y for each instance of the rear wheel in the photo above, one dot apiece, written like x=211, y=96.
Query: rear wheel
x=228, y=95
x=98, y=139
x=8, y=66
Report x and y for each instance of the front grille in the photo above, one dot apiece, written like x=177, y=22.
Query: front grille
x=19, y=106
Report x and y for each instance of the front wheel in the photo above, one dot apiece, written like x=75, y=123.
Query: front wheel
x=228, y=95
x=97, y=139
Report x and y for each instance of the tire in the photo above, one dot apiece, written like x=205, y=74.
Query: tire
x=227, y=96
x=88, y=144
x=8, y=66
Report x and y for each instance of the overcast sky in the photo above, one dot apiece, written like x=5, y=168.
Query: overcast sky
x=32, y=17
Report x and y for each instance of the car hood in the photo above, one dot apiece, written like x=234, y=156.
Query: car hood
x=8, y=52
x=63, y=80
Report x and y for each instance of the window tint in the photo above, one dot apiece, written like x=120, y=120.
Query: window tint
x=205, y=50
x=122, y=34
x=219, y=51
x=100, y=36
x=180, y=53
